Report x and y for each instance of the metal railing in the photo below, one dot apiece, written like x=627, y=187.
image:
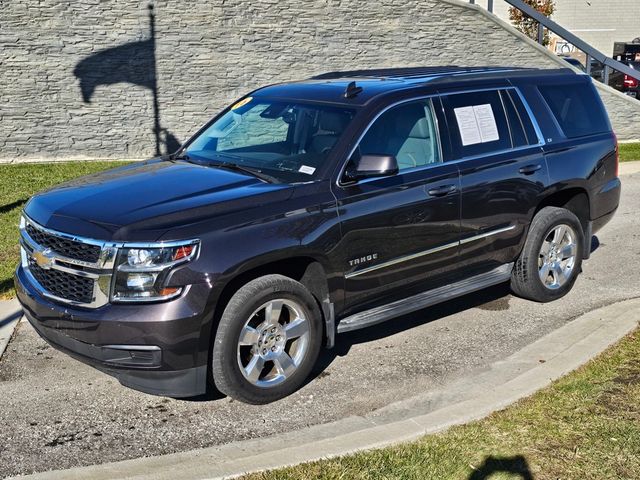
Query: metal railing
x=590, y=52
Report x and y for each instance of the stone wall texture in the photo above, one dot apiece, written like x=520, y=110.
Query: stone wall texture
x=77, y=78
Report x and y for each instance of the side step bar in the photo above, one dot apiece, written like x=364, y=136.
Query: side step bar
x=425, y=299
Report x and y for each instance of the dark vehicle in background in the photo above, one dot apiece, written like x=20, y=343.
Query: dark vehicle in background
x=629, y=54
x=312, y=208
x=575, y=62
x=597, y=69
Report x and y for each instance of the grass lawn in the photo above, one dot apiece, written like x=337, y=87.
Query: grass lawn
x=584, y=426
x=17, y=184
x=629, y=152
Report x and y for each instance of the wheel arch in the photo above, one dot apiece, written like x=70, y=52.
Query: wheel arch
x=576, y=200
x=309, y=270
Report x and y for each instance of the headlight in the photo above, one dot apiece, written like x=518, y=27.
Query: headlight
x=141, y=271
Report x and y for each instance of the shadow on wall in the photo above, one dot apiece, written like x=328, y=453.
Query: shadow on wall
x=135, y=63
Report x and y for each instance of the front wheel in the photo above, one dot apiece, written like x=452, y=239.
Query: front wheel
x=551, y=258
x=268, y=340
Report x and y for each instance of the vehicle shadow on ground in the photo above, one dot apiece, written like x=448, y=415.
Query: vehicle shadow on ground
x=345, y=341
x=494, y=298
x=514, y=465
x=10, y=206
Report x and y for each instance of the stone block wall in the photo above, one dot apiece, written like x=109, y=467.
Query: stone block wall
x=79, y=78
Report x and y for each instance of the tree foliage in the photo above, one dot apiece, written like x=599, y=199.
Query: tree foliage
x=528, y=25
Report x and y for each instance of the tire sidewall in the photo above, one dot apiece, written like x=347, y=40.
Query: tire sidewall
x=227, y=375
x=540, y=229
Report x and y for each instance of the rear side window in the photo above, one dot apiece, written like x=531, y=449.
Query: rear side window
x=576, y=109
x=478, y=123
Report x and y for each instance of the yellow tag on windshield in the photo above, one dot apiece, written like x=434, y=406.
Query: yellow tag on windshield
x=242, y=103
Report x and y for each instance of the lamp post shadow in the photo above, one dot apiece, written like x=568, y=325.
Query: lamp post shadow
x=134, y=63
x=517, y=465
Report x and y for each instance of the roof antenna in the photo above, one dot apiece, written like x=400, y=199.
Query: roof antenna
x=352, y=90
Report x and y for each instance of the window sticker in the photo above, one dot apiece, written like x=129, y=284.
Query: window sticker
x=306, y=169
x=486, y=123
x=477, y=124
x=469, y=131
x=241, y=103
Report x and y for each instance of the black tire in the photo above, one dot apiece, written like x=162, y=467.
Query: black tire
x=226, y=370
x=526, y=280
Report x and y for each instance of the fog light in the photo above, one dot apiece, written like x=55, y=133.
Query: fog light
x=141, y=281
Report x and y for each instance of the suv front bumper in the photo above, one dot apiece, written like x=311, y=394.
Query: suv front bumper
x=161, y=348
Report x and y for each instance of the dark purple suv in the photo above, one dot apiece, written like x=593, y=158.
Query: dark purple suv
x=317, y=207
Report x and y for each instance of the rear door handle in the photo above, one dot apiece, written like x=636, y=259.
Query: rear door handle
x=530, y=169
x=442, y=190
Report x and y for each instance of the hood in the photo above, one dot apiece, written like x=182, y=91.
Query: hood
x=144, y=200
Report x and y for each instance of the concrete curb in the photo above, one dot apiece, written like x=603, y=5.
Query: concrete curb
x=503, y=383
x=10, y=315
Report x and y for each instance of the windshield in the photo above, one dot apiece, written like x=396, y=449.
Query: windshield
x=284, y=141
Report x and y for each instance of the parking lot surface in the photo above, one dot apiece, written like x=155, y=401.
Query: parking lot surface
x=57, y=413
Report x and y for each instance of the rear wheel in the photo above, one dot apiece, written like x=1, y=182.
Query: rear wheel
x=268, y=340
x=551, y=258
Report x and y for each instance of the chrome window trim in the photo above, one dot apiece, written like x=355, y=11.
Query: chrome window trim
x=532, y=117
x=534, y=121
x=370, y=124
x=430, y=251
x=102, y=272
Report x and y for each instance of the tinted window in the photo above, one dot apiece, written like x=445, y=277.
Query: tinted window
x=477, y=123
x=406, y=132
x=522, y=131
x=576, y=109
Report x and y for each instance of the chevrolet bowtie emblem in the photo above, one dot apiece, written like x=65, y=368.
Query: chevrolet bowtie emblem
x=44, y=259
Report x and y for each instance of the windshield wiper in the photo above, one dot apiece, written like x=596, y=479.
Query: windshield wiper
x=241, y=168
x=180, y=156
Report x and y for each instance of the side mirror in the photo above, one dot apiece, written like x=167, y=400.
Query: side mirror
x=370, y=166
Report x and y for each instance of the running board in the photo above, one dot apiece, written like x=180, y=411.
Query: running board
x=425, y=299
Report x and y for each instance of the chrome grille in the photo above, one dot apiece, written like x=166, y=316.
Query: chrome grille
x=62, y=284
x=64, y=246
x=67, y=268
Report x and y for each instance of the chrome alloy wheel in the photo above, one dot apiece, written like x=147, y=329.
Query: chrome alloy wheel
x=557, y=256
x=273, y=342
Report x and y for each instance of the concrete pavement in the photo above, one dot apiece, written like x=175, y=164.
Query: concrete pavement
x=58, y=413
x=629, y=168
x=506, y=381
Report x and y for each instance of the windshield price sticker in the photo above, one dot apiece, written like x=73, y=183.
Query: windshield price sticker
x=306, y=169
x=477, y=124
x=242, y=103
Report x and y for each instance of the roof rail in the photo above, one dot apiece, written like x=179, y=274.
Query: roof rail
x=409, y=72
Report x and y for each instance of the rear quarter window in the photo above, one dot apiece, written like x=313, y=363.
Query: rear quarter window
x=576, y=108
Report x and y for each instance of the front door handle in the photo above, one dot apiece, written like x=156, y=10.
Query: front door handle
x=442, y=190
x=530, y=169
